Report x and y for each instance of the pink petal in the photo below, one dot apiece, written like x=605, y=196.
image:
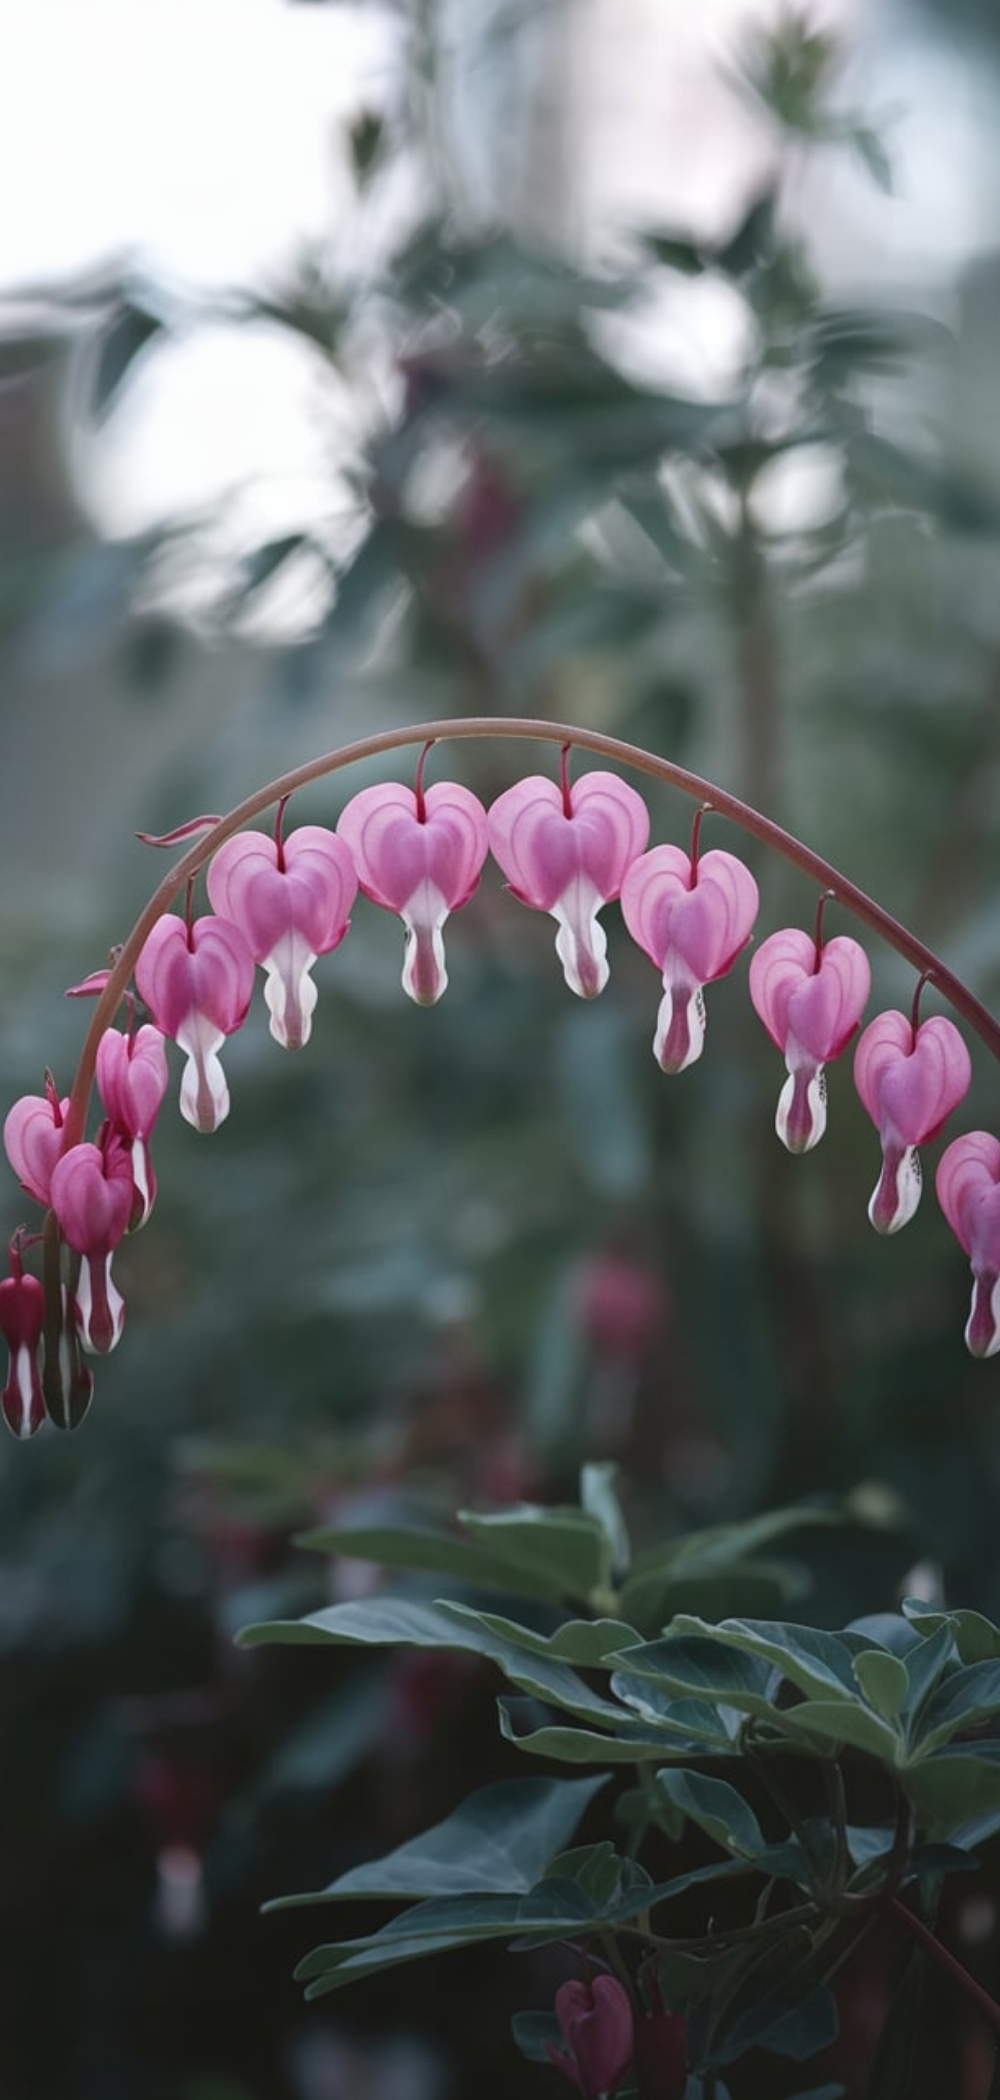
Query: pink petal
x=92, y=1198
x=33, y=1141
x=911, y=1085
x=422, y=869
x=132, y=1078
x=810, y=1012
x=569, y=865
x=205, y=970
x=22, y=1320
x=693, y=930
x=311, y=896
x=968, y=1188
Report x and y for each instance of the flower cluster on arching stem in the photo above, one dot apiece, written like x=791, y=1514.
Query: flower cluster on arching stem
x=567, y=848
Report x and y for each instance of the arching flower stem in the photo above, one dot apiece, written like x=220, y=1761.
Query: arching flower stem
x=526, y=729
x=925, y=977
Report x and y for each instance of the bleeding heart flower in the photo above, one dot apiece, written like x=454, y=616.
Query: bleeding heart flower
x=909, y=1079
x=419, y=854
x=968, y=1190
x=132, y=1078
x=92, y=1200
x=291, y=899
x=692, y=919
x=595, y=2020
x=197, y=980
x=810, y=1000
x=565, y=850
x=22, y=1320
x=33, y=1139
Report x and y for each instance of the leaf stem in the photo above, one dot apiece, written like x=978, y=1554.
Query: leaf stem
x=952, y=1967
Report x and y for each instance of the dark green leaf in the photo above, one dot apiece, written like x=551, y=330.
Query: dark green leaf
x=531, y=2031
x=439, y=1552
x=791, y=2019
x=696, y=1666
x=674, y=251
x=716, y=1807
x=500, y=1839
x=565, y=1548
x=976, y=1638
x=966, y=1698
x=883, y=1682
x=552, y=1910
x=953, y=1789
x=631, y=1743
x=596, y=1869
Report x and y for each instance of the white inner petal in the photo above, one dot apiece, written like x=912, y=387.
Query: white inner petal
x=680, y=1027
x=424, y=973
x=204, y=1093
x=98, y=1298
x=581, y=942
x=801, y=1131
x=289, y=991
x=897, y=1193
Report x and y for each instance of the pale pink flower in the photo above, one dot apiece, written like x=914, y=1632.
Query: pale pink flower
x=968, y=1190
x=692, y=922
x=810, y=1000
x=418, y=854
x=565, y=850
x=909, y=1079
x=22, y=1320
x=132, y=1078
x=291, y=899
x=197, y=980
x=33, y=1138
x=92, y=1200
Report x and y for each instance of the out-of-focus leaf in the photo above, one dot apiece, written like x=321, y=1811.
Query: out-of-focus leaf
x=565, y=1548
x=790, y=2019
x=674, y=252
x=414, y=1546
x=131, y=330
x=955, y=1788
x=870, y=147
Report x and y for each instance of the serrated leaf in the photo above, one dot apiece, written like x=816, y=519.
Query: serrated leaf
x=500, y=1839
x=976, y=1637
x=587, y=1643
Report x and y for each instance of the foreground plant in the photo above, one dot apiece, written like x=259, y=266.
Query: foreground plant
x=835, y=1781
x=567, y=848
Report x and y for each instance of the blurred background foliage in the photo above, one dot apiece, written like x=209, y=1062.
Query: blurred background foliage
x=710, y=481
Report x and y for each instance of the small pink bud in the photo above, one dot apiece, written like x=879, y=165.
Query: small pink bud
x=292, y=902
x=692, y=923
x=22, y=1320
x=92, y=1200
x=968, y=1190
x=909, y=1080
x=33, y=1139
x=420, y=856
x=810, y=1001
x=595, y=2020
x=132, y=1079
x=196, y=981
x=569, y=861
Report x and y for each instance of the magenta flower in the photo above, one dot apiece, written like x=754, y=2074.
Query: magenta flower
x=419, y=854
x=132, y=1078
x=197, y=980
x=595, y=2020
x=692, y=919
x=565, y=850
x=660, y=2048
x=22, y=1319
x=291, y=899
x=92, y=1200
x=909, y=1079
x=968, y=1190
x=810, y=1000
x=33, y=1138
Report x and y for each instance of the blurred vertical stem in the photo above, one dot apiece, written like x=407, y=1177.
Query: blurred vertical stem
x=758, y=686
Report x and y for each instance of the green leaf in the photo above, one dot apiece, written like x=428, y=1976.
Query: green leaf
x=596, y=1869
x=976, y=1638
x=870, y=148
x=418, y=1546
x=883, y=1681
x=500, y=1839
x=698, y=1719
x=790, y=2018
x=699, y=1667
x=924, y=1666
x=815, y=1661
x=965, y=1699
x=752, y=240
x=599, y=1500
x=716, y=1807
x=589, y=1643
x=531, y=2031
x=552, y=1910
x=565, y=1548
x=411, y=1622
x=838, y=1721
x=674, y=251
x=630, y=1744
x=953, y=1789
